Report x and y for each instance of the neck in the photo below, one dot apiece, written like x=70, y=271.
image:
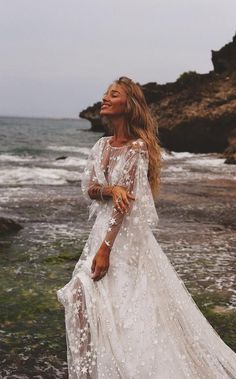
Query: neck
x=120, y=130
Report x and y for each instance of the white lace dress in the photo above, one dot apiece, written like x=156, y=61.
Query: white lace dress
x=139, y=321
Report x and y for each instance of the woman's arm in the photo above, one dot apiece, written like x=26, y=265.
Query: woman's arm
x=100, y=263
x=100, y=192
x=126, y=191
x=123, y=192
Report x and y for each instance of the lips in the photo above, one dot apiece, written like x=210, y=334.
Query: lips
x=105, y=105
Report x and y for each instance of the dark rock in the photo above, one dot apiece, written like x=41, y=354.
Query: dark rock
x=230, y=152
x=92, y=114
x=62, y=157
x=8, y=225
x=197, y=112
x=225, y=58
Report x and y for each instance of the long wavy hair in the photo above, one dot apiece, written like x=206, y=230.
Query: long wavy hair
x=141, y=124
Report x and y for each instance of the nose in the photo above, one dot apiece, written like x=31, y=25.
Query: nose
x=104, y=98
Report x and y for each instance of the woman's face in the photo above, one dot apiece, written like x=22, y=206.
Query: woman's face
x=114, y=101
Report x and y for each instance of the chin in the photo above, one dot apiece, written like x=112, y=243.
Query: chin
x=103, y=112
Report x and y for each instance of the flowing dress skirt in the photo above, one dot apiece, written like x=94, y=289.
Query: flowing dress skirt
x=139, y=321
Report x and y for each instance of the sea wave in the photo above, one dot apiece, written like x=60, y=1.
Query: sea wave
x=70, y=162
x=73, y=149
x=210, y=161
x=14, y=158
x=37, y=175
x=49, y=161
x=179, y=155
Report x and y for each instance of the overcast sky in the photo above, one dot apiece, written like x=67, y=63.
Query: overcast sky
x=58, y=56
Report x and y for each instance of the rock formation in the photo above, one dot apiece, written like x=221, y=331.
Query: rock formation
x=225, y=59
x=8, y=225
x=197, y=112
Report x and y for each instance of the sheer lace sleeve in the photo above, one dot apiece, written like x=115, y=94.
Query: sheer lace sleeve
x=137, y=158
x=92, y=179
x=89, y=178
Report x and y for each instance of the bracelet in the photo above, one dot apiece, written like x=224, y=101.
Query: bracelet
x=101, y=189
x=112, y=187
x=107, y=243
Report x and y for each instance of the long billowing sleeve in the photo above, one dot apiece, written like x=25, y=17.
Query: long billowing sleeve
x=93, y=178
x=89, y=176
x=135, y=167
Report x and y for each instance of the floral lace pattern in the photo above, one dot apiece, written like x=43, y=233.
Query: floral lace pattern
x=139, y=321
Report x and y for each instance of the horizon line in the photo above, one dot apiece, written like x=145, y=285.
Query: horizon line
x=44, y=117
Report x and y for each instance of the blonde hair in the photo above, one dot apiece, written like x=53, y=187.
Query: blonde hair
x=141, y=124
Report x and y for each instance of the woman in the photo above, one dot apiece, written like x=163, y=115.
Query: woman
x=128, y=314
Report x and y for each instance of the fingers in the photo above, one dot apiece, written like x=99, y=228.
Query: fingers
x=121, y=199
x=98, y=274
x=126, y=201
x=99, y=277
x=95, y=274
x=123, y=205
x=130, y=196
x=120, y=205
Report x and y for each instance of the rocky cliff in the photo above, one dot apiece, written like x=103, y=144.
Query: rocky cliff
x=197, y=112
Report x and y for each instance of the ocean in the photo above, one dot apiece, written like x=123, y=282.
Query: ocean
x=37, y=155
x=41, y=161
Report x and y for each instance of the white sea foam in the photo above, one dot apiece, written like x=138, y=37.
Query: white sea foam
x=14, y=158
x=177, y=155
x=186, y=166
x=37, y=175
x=174, y=168
x=188, y=160
x=73, y=149
x=191, y=172
x=70, y=161
x=209, y=161
x=200, y=158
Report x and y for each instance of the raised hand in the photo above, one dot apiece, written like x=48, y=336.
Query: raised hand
x=121, y=197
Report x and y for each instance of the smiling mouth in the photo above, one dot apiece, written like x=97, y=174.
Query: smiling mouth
x=105, y=105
